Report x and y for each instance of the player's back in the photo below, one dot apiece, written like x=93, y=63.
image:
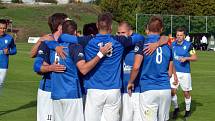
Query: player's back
x=65, y=85
x=106, y=74
x=154, y=74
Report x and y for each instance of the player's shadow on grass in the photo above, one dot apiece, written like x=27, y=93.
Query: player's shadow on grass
x=28, y=105
x=194, y=107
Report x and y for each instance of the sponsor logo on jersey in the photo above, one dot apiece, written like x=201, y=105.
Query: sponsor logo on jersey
x=127, y=68
x=185, y=47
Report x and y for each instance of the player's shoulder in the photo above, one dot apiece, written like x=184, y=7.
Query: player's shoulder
x=8, y=36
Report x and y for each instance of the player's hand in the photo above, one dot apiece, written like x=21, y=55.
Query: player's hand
x=55, y=67
x=182, y=59
x=175, y=80
x=106, y=49
x=150, y=48
x=6, y=51
x=59, y=50
x=130, y=88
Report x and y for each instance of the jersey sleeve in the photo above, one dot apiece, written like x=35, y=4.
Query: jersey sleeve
x=52, y=44
x=191, y=49
x=77, y=52
x=84, y=40
x=130, y=40
x=12, y=48
x=42, y=55
x=138, y=49
x=68, y=38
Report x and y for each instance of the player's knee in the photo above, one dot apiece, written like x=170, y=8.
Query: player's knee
x=187, y=94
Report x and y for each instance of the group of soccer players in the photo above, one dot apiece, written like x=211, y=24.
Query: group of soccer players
x=110, y=66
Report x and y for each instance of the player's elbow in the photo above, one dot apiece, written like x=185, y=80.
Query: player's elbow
x=136, y=68
x=84, y=71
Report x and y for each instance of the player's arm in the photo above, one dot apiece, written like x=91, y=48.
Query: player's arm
x=83, y=66
x=12, y=48
x=136, y=66
x=193, y=56
x=40, y=64
x=151, y=47
x=67, y=38
x=35, y=47
x=130, y=40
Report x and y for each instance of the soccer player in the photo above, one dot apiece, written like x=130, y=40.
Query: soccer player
x=104, y=82
x=7, y=47
x=66, y=91
x=90, y=29
x=43, y=66
x=54, y=24
x=130, y=105
x=155, y=97
x=183, y=52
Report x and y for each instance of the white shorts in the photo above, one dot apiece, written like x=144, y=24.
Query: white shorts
x=44, y=106
x=3, y=73
x=155, y=105
x=68, y=110
x=131, y=107
x=184, y=80
x=104, y=103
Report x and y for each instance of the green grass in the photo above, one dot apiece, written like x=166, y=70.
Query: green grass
x=18, y=101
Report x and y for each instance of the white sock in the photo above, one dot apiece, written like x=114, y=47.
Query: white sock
x=188, y=103
x=175, y=101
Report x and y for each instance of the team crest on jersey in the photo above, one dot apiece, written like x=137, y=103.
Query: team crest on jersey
x=6, y=41
x=81, y=55
x=40, y=52
x=185, y=47
x=136, y=48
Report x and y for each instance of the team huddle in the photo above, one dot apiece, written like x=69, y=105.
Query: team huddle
x=105, y=77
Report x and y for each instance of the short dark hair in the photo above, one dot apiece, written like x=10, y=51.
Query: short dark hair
x=155, y=24
x=125, y=23
x=181, y=29
x=69, y=27
x=55, y=20
x=104, y=21
x=89, y=29
x=3, y=21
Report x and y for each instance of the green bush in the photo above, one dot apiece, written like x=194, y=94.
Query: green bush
x=16, y=1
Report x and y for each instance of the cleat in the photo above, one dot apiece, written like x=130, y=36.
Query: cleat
x=175, y=113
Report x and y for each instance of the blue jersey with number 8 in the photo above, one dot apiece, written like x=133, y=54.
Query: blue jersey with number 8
x=154, y=73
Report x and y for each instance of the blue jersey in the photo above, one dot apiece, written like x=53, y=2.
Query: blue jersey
x=6, y=41
x=154, y=73
x=66, y=85
x=182, y=50
x=107, y=73
x=128, y=61
x=43, y=55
